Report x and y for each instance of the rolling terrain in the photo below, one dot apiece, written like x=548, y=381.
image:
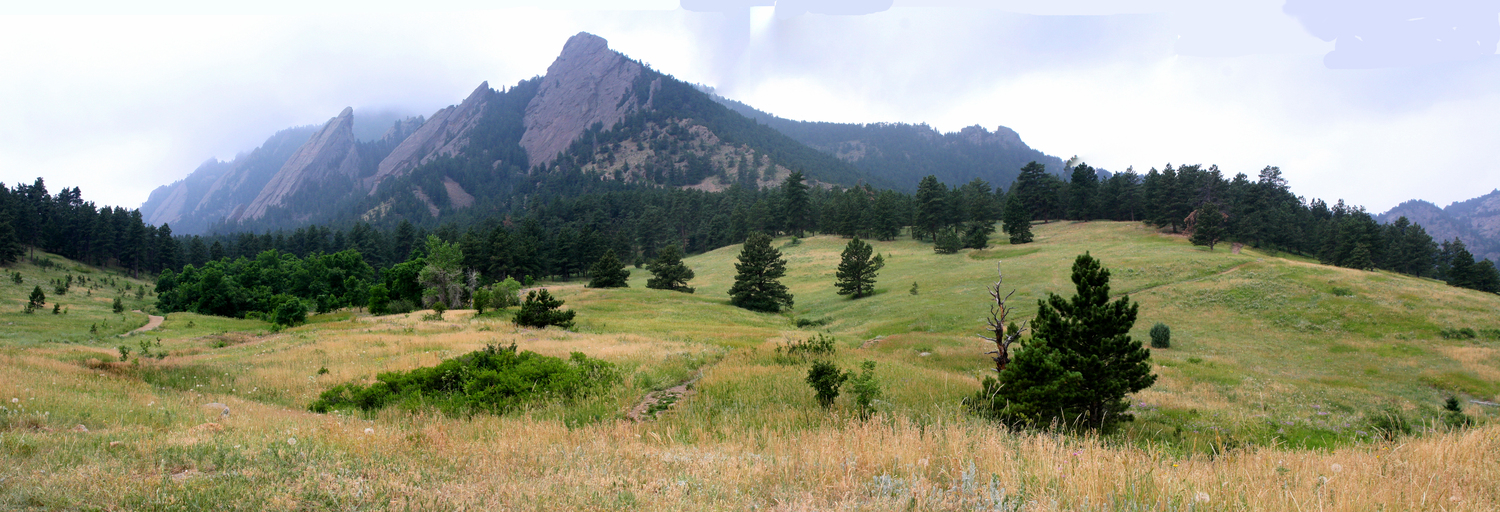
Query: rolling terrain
x=1270, y=397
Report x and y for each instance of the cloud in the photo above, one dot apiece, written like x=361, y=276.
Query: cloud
x=1386, y=33
x=792, y=8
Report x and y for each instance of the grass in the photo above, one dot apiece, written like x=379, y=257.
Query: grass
x=1264, y=401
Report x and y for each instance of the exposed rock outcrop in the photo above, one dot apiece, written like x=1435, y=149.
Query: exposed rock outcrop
x=587, y=84
x=216, y=188
x=444, y=134
x=330, y=153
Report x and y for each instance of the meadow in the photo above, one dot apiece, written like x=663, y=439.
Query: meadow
x=1272, y=396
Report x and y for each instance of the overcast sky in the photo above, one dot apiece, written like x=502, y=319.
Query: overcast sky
x=1375, y=102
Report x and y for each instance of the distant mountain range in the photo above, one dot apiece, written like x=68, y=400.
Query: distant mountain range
x=1475, y=221
x=595, y=115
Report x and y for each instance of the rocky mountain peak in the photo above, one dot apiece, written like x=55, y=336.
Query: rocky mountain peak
x=330, y=152
x=444, y=134
x=587, y=84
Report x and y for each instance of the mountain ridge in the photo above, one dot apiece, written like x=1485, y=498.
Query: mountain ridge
x=1474, y=221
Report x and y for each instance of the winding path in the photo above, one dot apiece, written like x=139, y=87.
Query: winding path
x=152, y=322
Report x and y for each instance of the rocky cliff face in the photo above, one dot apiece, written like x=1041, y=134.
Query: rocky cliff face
x=1476, y=222
x=444, y=134
x=217, y=188
x=587, y=84
x=329, y=154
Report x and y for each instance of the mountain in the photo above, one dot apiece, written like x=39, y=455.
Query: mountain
x=1475, y=221
x=597, y=120
x=904, y=153
x=215, y=189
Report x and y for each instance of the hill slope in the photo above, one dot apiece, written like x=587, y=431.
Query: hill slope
x=1269, y=354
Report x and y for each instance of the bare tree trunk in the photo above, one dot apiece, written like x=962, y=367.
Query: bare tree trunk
x=999, y=332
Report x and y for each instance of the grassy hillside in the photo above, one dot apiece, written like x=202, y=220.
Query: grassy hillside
x=1268, y=398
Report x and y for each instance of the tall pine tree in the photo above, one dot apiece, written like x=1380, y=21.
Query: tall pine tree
x=1017, y=222
x=1080, y=362
x=669, y=272
x=608, y=272
x=1208, y=227
x=858, y=270
x=757, y=283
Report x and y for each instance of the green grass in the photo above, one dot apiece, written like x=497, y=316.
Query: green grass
x=1266, y=350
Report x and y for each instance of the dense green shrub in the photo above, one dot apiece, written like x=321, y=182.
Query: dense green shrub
x=540, y=310
x=1464, y=333
x=380, y=299
x=866, y=390
x=290, y=312
x=493, y=380
x=1161, y=336
x=799, y=350
x=825, y=379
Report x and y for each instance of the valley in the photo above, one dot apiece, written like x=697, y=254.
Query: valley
x=1278, y=392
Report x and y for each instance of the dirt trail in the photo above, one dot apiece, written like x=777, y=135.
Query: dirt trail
x=667, y=397
x=152, y=323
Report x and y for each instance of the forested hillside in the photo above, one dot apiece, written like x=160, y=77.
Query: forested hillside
x=903, y=153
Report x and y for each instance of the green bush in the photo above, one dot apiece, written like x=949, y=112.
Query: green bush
x=866, y=390
x=1161, y=336
x=400, y=307
x=1453, y=414
x=290, y=312
x=119, y=306
x=798, y=351
x=803, y=323
x=541, y=310
x=1464, y=333
x=380, y=299
x=825, y=379
x=1391, y=424
x=493, y=380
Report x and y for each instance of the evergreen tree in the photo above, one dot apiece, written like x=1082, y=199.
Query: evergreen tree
x=608, y=272
x=1017, y=221
x=858, y=269
x=1460, y=265
x=947, y=241
x=757, y=284
x=1037, y=190
x=669, y=272
x=932, y=207
x=977, y=236
x=1083, y=189
x=10, y=244
x=1208, y=227
x=1080, y=362
x=797, y=211
x=540, y=309
x=37, y=298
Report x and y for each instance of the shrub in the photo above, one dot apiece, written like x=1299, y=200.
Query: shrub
x=380, y=299
x=1453, y=414
x=1391, y=424
x=290, y=312
x=1342, y=292
x=492, y=380
x=1464, y=333
x=541, y=310
x=825, y=379
x=798, y=351
x=866, y=390
x=119, y=306
x=438, y=308
x=400, y=307
x=803, y=323
x=1161, y=336
x=913, y=289
x=124, y=353
x=947, y=242
x=15, y=277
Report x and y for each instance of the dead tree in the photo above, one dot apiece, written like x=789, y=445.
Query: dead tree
x=1000, y=333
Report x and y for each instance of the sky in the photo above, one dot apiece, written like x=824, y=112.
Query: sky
x=1371, y=101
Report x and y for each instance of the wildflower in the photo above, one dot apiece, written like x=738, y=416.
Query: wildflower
x=1202, y=497
x=1337, y=468
x=15, y=400
x=291, y=441
x=369, y=431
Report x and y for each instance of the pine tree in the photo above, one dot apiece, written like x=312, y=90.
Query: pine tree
x=10, y=244
x=1083, y=188
x=1209, y=227
x=932, y=207
x=857, y=269
x=541, y=309
x=669, y=272
x=1017, y=221
x=796, y=207
x=757, y=284
x=947, y=241
x=37, y=298
x=1080, y=362
x=608, y=272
